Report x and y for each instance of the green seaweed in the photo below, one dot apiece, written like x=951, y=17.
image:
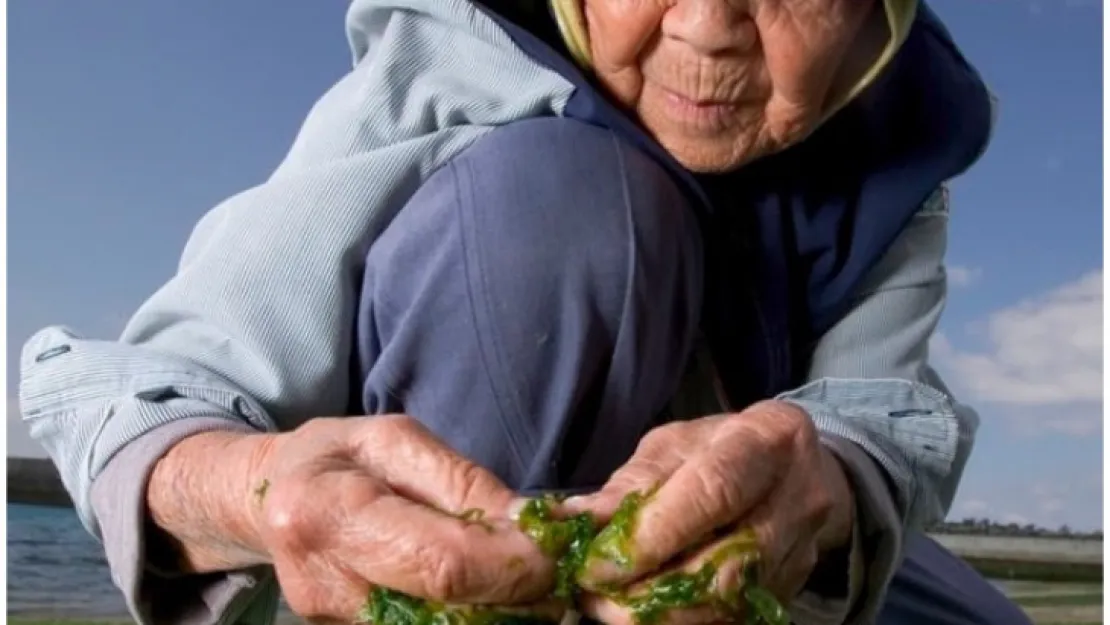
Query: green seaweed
x=475, y=516
x=614, y=542
x=763, y=607
x=670, y=592
x=260, y=491
x=570, y=541
x=567, y=540
x=679, y=590
x=390, y=607
x=472, y=515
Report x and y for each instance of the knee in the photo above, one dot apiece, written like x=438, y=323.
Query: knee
x=546, y=256
x=571, y=206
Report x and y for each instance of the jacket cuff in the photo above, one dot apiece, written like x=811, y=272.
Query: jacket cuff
x=154, y=591
x=874, y=555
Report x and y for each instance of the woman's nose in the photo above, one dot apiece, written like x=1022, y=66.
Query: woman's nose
x=712, y=27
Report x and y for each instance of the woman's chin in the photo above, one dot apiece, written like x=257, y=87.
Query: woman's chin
x=729, y=145
x=707, y=155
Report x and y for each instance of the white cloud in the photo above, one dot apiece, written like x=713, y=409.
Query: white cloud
x=961, y=276
x=1047, y=503
x=1043, y=351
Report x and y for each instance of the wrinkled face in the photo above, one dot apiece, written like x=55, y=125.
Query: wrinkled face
x=722, y=82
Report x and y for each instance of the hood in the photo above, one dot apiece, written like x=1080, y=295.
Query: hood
x=367, y=19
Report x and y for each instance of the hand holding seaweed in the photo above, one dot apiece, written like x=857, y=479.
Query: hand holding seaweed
x=564, y=540
x=764, y=471
x=571, y=541
x=344, y=505
x=709, y=521
x=720, y=584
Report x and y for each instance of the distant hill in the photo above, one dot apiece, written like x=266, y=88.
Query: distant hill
x=35, y=481
x=986, y=527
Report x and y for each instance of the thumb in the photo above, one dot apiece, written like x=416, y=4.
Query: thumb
x=643, y=474
x=601, y=504
x=660, y=453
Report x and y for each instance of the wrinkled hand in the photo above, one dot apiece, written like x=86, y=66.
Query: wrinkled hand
x=763, y=468
x=347, y=504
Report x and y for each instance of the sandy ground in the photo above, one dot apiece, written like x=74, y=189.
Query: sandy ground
x=1080, y=615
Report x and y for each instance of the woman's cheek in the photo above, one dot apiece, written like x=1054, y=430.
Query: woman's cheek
x=620, y=31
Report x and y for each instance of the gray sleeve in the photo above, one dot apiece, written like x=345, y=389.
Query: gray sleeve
x=153, y=590
x=898, y=432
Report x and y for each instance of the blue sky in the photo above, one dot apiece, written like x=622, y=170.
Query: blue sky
x=129, y=119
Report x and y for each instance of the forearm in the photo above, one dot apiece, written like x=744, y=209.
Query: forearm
x=900, y=436
x=152, y=573
x=203, y=497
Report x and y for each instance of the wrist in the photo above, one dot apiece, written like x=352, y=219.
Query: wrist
x=201, y=497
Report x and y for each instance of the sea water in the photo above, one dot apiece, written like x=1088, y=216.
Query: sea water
x=55, y=568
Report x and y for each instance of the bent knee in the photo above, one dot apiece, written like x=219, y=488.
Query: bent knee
x=545, y=223
x=552, y=195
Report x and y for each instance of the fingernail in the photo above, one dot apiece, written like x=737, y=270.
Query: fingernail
x=576, y=503
x=516, y=507
x=596, y=574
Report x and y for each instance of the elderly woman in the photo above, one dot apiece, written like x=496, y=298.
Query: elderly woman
x=598, y=246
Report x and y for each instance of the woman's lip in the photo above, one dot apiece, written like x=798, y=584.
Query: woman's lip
x=706, y=115
x=696, y=101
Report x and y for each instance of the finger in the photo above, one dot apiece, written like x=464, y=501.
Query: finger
x=710, y=491
x=786, y=580
x=319, y=592
x=546, y=610
x=704, y=587
x=400, y=544
x=640, y=474
x=605, y=502
x=789, y=553
x=389, y=606
x=611, y=612
x=418, y=465
x=658, y=455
